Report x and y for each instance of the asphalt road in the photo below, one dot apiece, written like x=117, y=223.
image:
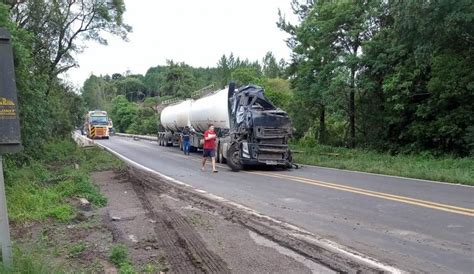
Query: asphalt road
x=414, y=225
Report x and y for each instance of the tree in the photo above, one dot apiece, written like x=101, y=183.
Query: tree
x=98, y=93
x=419, y=73
x=329, y=41
x=278, y=91
x=57, y=25
x=271, y=69
x=132, y=88
x=224, y=71
x=178, y=80
x=245, y=76
x=124, y=113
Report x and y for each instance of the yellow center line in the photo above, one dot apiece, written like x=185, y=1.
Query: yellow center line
x=382, y=195
x=386, y=196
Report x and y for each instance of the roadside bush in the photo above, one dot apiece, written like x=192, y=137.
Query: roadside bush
x=40, y=189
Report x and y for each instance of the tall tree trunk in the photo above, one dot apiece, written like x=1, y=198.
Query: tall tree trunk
x=351, y=141
x=322, y=124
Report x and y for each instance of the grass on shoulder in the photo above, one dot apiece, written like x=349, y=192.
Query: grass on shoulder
x=41, y=189
x=424, y=166
x=41, y=192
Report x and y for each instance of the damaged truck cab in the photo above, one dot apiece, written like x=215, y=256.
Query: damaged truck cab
x=258, y=131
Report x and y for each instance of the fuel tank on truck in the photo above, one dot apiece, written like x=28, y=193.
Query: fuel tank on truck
x=176, y=117
x=212, y=109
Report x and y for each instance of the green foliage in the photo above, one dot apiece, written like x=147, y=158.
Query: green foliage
x=246, y=75
x=131, y=117
x=119, y=257
x=132, y=88
x=124, y=113
x=146, y=122
x=29, y=263
x=44, y=36
x=270, y=67
x=77, y=248
x=422, y=166
x=401, y=74
x=98, y=93
x=278, y=91
x=40, y=189
x=178, y=80
x=58, y=26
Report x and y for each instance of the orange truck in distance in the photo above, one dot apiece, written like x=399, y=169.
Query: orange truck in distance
x=96, y=125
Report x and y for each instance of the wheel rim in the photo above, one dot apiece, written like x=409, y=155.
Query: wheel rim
x=235, y=158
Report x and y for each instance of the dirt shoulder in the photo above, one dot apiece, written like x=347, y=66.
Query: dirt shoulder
x=153, y=225
x=173, y=234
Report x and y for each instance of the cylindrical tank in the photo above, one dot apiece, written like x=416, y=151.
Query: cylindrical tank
x=176, y=117
x=211, y=109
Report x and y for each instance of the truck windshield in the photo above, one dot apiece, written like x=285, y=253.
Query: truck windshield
x=99, y=120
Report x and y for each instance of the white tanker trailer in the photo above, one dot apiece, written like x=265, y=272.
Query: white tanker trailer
x=250, y=130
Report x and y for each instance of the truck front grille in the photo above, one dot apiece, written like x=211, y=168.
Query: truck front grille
x=276, y=141
x=266, y=132
x=270, y=156
x=274, y=131
x=100, y=131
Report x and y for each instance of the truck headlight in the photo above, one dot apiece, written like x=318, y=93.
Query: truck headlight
x=245, y=150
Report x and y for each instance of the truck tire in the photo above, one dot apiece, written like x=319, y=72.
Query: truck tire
x=233, y=158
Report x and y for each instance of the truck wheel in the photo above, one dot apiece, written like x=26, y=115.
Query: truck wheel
x=233, y=158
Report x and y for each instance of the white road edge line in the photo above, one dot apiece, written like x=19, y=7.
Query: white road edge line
x=389, y=176
x=303, y=233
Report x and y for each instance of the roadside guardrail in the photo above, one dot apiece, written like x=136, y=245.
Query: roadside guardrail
x=143, y=137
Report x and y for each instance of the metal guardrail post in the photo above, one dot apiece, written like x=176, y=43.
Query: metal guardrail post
x=4, y=226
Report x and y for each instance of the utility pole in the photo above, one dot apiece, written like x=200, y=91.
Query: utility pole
x=10, y=139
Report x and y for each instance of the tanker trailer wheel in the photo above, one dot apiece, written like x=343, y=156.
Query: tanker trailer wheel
x=233, y=158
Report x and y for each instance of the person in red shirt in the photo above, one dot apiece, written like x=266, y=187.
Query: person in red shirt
x=210, y=137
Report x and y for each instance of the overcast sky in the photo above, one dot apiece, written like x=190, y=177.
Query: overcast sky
x=197, y=32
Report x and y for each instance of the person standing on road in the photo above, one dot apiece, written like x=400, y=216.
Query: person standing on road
x=185, y=138
x=210, y=137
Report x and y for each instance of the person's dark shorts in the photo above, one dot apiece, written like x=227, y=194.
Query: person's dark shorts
x=209, y=153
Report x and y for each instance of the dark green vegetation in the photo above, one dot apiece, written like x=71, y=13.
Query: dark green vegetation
x=41, y=179
x=119, y=257
x=43, y=188
x=391, y=75
x=43, y=192
x=45, y=37
x=420, y=166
